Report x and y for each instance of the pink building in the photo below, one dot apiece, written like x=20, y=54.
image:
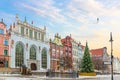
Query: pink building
x=4, y=45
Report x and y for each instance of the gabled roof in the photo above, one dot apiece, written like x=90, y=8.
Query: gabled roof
x=57, y=40
x=98, y=52
x=65, y=42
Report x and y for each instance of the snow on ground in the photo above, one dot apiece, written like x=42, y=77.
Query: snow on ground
x=33, y=77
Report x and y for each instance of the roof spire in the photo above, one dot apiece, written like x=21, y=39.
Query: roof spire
x=44, y=27
x=16, y=16
x=2, y=20
x=25, y=19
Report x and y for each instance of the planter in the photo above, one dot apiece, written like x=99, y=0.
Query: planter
x=87, y=74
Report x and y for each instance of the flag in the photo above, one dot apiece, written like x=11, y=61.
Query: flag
x=32, y=22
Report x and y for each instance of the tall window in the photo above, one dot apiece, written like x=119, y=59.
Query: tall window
x=19, y=57
x=27, y=31
x=35, y=35
x=30, y=34
x=22, y=30
x=44, y=58
x=6, y=42
x=32, y=53
x=1, y=31
x=39, y=36
x=5, y=52
x=6, y=64
x=42, y=37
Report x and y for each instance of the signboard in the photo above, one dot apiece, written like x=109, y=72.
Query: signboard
x=108, y=62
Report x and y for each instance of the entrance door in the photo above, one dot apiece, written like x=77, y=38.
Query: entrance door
x=2, y=64
x=33, y=66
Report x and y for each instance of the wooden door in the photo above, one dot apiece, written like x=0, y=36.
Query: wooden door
x=33, y=66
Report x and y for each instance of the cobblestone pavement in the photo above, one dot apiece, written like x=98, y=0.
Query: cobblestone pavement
x=19, y=77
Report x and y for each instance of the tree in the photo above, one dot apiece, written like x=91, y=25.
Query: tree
x=87, y=64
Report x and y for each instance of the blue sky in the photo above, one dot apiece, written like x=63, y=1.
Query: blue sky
x=75, y=17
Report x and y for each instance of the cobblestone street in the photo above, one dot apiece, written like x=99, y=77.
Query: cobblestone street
x=18, y=77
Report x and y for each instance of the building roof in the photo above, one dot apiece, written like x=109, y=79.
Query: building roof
x=98, y=52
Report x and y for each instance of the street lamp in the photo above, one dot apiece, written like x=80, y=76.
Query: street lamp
x=111, y=40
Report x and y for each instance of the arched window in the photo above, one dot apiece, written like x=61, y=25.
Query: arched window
x=44, y=58
x=19, y=58
x=32, y=53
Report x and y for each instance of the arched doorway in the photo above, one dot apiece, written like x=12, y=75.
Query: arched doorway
x=44, y=58
x=33, y=66
x=1, y=63
x=19, y=57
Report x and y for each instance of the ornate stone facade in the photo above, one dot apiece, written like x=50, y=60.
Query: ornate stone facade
x=56, y=53
x=67, y=43
x=29, y=46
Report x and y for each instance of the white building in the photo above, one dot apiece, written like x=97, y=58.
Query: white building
x=77, y=55
x=116, y=65
x=28, y=46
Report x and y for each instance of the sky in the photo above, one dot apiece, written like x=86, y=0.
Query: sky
x=75, y=17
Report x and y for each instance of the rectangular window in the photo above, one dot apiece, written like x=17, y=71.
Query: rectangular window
x=1, y=31
x=6, y=42
x=39, y=36
x=22, y=30
x=42, y=37
x=30, y=34
x=35, y=34
x=6, y=64
x=26, y=31
x=5, y=52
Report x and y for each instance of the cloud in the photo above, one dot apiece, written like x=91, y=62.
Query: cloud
x=45, y=9
x=8, y=18
x=78, y=18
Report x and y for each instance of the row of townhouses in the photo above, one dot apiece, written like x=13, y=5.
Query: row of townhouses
x=25, y=44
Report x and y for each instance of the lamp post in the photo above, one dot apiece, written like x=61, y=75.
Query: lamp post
x=111, y=40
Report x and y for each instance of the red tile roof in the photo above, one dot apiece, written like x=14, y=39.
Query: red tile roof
x=98, y=52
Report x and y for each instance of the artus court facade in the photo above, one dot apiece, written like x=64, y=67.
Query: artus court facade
x=28, y=46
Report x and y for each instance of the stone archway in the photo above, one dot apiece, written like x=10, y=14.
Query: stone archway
x=33, y=66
